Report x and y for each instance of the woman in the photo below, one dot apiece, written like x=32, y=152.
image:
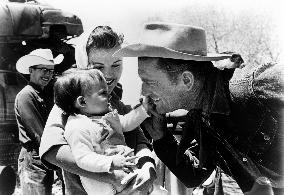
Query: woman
x=95, y=51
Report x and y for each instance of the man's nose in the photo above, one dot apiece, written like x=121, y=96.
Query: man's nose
x=144, y=90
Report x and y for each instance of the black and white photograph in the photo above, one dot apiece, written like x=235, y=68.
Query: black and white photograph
x=141, y=97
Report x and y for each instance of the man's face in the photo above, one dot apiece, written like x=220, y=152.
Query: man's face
x=41, y=74
x=167, y=96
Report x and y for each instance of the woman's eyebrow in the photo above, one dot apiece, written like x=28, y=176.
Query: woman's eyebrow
x=117, y=61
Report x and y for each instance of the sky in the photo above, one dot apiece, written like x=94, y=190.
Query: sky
x=128, y=15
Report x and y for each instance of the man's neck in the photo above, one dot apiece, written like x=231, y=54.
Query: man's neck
x=37, y=86
x=212, y=97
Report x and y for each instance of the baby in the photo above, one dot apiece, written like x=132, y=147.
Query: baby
x=93, y=130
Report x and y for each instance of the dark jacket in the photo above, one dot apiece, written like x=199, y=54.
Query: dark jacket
x=32, y=106
x=245, y=142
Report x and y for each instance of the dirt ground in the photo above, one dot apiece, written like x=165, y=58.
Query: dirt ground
x=56, y=189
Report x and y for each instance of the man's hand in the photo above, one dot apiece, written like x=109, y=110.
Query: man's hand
x=155, y=125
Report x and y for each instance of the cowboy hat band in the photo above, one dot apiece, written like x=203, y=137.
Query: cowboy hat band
x=37, y=57
x=168, y=40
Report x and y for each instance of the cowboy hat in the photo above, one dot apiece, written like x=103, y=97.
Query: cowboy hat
x=37, y=57
x=169, y=40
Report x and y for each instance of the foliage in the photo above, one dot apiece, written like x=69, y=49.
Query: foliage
x=247, y=32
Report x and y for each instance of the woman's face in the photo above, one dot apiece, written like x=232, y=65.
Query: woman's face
x=111, y=67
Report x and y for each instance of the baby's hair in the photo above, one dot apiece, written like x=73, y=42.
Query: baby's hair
x=72, y=84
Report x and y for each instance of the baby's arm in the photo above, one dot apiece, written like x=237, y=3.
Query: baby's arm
x=79, y=136
x=131, y=120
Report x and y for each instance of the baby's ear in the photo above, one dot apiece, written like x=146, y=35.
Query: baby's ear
x=80, y=102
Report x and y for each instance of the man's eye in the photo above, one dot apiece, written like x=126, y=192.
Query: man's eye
x=150, y=82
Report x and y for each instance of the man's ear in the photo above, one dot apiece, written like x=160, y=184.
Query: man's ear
x=187, y=79
x=80, y=101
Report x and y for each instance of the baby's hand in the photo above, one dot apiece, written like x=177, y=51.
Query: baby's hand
x=121, y=161
x=112, y=119
x=147, y=103
x=112, y=116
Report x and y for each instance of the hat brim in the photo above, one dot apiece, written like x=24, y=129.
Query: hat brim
x=27, y=61
x=143, y=50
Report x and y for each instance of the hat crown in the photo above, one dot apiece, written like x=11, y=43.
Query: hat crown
x=37, y=57
x=169, y=40
x=178, y=37
x=43, y=53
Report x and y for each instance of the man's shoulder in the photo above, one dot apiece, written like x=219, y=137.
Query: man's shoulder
x=269, y=80
x=25, y=95
x=263, y=83
x=25, y=92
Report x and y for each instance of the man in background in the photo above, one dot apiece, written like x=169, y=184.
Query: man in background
x=32, y=106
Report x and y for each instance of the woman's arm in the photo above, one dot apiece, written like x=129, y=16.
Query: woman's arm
x=62, y=157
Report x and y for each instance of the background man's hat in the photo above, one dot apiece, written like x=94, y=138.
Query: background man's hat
x=37, y=57
x=168, y=40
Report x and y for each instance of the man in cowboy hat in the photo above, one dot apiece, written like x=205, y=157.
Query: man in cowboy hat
x=32, y=106
x=232, y=125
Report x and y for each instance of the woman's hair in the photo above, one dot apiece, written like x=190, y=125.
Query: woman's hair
x=72, y=84
x=103, y=37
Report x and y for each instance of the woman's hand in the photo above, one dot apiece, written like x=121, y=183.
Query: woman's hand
x=140, y=180
x=117, y=177
x=145, y=177
x=115, y=149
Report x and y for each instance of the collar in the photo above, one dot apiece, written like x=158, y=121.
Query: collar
x=35, y=86
x=116, y=92
x=215, y=94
